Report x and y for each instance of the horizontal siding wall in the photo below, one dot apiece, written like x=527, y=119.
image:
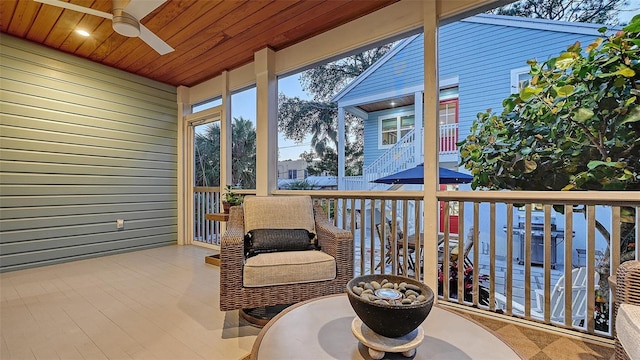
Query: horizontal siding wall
x=372, y=151
x=477, y=52
x=403, y=70
x=482, y=57
x=82, y=145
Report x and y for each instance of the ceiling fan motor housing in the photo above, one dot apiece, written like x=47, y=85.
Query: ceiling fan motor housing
x=125, y=24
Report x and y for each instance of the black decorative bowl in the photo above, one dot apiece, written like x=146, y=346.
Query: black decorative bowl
x=390, y=320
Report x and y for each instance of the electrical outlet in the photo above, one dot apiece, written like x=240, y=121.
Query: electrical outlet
x=120, y=224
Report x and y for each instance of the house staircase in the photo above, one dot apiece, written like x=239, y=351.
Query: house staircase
x=401, y=156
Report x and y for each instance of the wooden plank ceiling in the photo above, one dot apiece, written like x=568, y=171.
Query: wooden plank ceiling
x=209, y=36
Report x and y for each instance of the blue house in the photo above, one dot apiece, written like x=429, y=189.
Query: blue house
x=482, y=60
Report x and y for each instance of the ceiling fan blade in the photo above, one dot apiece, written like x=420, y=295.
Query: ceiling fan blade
x=78, y=8
x=140, y=8
x=154, y=41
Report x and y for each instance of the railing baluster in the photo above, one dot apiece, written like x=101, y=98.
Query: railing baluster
x=405, y=237
x=210, y=224
x=394, y=238
x=614, y=256
x=492, y=254
x=383, y=236
x=462, y=253
x=568, y=257
x=527, y=262
x=547, y=263
x=476, y=253
x=372, y=221
x=446, y=266
x=362, y=238
x=509, y=271
x=419, y=240
x=591, y=247
x=201, y=211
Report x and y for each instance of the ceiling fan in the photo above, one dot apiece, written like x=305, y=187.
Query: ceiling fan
x=125, y=18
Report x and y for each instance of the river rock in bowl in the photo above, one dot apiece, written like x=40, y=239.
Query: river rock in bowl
x=388, y=313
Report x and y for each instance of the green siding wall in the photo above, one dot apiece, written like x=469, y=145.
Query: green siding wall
x=82, y=145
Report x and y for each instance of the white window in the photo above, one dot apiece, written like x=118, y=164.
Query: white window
x=394, y=127
x=519, y=77
x=207, y=104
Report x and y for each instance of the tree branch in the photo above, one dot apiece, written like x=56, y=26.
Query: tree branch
x=592, y=138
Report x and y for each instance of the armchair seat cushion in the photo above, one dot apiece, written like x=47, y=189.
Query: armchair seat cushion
x=290, y=267
x=628, y=329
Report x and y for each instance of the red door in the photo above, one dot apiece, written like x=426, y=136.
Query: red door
x=453, y=212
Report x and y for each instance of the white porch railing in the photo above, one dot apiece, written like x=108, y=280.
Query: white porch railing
x=488, y=245
x=206, y=200
x=352, y=183
x=403, y=155
x=448, y=138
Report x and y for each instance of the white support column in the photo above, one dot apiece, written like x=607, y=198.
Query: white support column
x=184, y=237
x=226, y=142
x=431, y=94
x=225, y=135
x=419, y=123
x=266, y=122
x=341, y=147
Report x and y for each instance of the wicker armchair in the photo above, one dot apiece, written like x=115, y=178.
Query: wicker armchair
x=235, y=295
x=627, y=292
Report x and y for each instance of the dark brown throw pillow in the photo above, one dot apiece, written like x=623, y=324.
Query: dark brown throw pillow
x=260, y=241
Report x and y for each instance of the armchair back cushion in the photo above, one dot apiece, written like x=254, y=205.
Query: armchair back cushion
x=278, y=212
x=259, y=241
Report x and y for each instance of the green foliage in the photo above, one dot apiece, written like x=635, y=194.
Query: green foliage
x=324, y=81
x=326, y=165
x=231, y=197
x=299, y=185
x=590, y=11
x=243, y=155
x=574, y=126
x=207, y=157
x=298, y=118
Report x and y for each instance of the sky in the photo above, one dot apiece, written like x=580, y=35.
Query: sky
x=629, y=11
x=288, y=149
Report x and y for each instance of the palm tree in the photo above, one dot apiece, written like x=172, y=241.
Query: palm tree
x=243, y=153
x=207, y=156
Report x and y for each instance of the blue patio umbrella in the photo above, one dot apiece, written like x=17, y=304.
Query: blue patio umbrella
x=415, y=175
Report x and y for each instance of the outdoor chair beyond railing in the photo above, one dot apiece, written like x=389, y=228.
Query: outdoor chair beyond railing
x=269, y=256
x=556, y=302
x=392, y=240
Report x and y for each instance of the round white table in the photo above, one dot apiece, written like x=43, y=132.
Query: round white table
x=321, y=329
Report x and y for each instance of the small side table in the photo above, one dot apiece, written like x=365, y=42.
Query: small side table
x=222, y=217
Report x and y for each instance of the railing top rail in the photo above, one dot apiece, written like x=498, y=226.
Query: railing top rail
x=206, y=189
x=549, y=197
x=338, y=194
